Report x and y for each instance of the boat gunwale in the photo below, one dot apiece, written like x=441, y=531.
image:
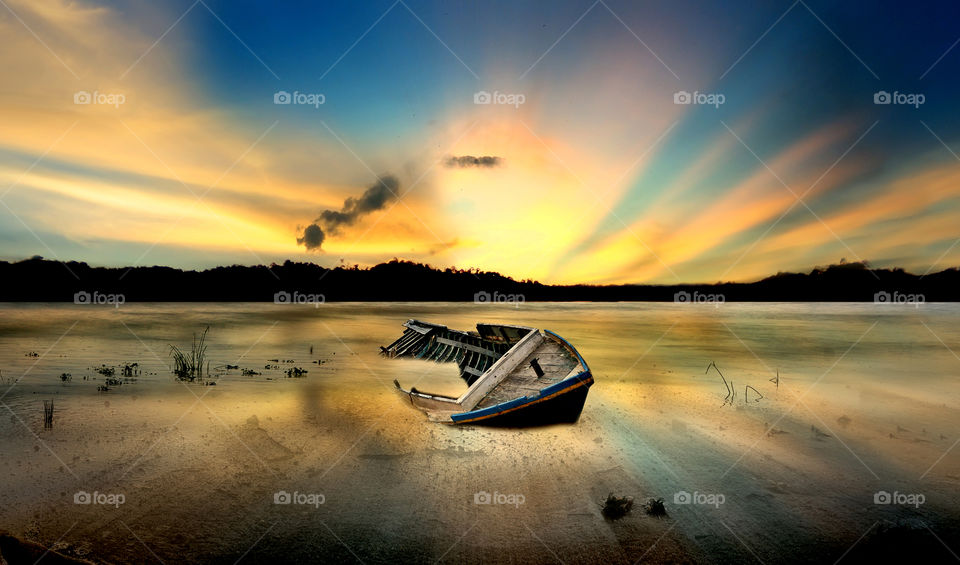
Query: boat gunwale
x=572, y=349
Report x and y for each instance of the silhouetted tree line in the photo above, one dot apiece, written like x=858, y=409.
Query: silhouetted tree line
x=37, y=279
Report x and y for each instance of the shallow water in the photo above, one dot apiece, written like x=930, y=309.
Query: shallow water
x=867, y=400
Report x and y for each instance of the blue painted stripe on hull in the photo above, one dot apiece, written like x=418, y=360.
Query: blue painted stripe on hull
x=581, y=379
x=584, y=378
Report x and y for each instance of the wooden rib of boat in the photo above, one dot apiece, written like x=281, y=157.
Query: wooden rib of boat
x=517, y=376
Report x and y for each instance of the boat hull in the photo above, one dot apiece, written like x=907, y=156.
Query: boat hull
x=560, y=404
x=518, y=376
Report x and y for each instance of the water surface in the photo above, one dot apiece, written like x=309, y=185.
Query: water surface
x=867, y=400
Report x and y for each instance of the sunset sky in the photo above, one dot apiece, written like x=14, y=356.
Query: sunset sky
x=595, y=173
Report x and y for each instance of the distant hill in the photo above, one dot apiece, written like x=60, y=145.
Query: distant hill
x=41, y=280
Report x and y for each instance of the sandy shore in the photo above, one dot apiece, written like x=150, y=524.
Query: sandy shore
x=397, y=488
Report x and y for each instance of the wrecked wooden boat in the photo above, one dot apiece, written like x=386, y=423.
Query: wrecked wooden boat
x=517, y=376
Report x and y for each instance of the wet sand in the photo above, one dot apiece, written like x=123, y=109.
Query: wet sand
x=199, y=466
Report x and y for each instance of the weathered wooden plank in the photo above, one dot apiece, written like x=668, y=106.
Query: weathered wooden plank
x=556, y=362
x=468, y=347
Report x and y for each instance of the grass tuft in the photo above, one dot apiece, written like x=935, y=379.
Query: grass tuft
x=189, y=366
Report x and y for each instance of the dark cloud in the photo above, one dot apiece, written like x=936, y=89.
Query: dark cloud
x=374, y=198
x=331, y=221
x=471, y=161
x=312, y=238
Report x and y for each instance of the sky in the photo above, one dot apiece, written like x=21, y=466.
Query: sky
x=569, y=142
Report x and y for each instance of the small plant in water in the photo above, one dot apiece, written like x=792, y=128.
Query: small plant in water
x=189, y=366
x=616, y=507
x=296, y=372
x=48, y=414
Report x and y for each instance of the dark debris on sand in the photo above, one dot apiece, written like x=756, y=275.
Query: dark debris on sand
x=616, y=507
x=655, y=507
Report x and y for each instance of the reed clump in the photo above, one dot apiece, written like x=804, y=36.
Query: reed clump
x=188, y=366
x=48, y=414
